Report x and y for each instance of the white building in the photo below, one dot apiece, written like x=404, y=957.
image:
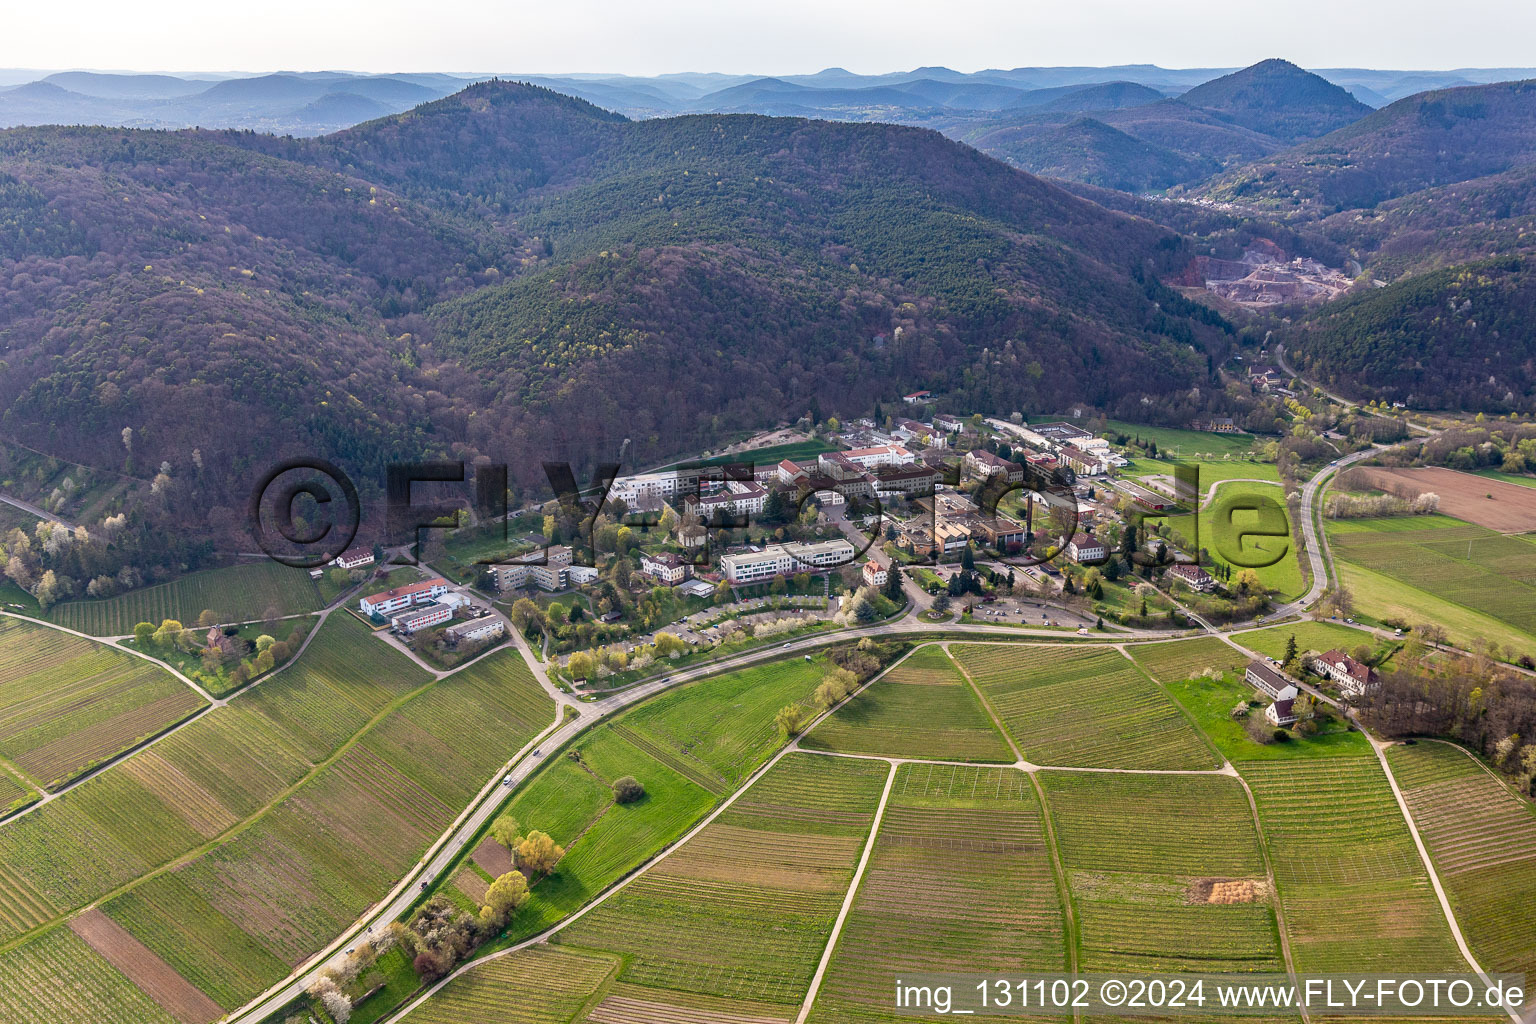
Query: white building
x=403, y=597
x=420, y=618
x=780, y=559
x=1086, y=549
x=354, y=558
x=552, y=574
x=880, y=455
x=666, y=567
x=875, y=574
x=475, y=629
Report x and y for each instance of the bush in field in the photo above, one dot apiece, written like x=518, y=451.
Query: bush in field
x=539, y=853
x=627, y=790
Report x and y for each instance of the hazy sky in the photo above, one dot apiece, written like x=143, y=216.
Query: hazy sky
x=754, y=36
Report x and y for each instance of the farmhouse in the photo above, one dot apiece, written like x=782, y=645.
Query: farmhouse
x=1086, y=549
x=778, y=560
x=1192, y=576
x=475, y=629
x=1353, y=677
x=420, y=618
x=403, y=597
x=1282, y=712
x=917, y=397
x=354, y=558
x=667, y=567
x=1267, y=680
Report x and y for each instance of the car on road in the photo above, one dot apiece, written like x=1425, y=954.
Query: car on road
x=788, y=645
x=537, y=752
x=506, y=780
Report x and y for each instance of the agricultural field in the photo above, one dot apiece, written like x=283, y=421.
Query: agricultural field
x=1356, y=895
x=1382, y=598
x=14, y=792
x=1490, y=503
x=1083, y=708
x=239, y=593
x=1166, y=873
x=1215, y=524
x=1466, y=566
x=304, y=870
x=539, y=985
x=1482, y=839
x=987, y=899
x=923, y=707
x=68, y=704
x=1182, y=659
x=743, y=909
x=60, y=980
x=718, y=732
x=199, y=784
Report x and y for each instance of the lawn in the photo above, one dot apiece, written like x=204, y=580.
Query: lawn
x=1467, y=566
x=1209, y=701
x=1355, y=893
x=1211, y=470
x=921, y=708
x=218, y=681
x=1220, y=532
x=1382, y=598
x=1083, y=708
x=960, y=880
x=572, y=801
x=68, y=704
x=1144, y=854
x=1523, y=479
x=717, y=732
x=1483, y=841
x=236, y=594
x=1310, y=635
x=1173, y=442
x=742, y=911
x=773, y=454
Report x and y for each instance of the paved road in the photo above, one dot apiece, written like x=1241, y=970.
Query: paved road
x=33, y=510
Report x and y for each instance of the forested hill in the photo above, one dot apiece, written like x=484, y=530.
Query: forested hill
x=510, y=271
x=1425, y=140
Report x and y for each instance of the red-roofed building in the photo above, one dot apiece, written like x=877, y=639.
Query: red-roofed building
x=1353, y=677
x=354, y=558
x=403, y=597
x=1192, y=576
x=1086, y=549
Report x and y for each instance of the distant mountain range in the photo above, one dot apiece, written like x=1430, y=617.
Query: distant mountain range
x=313, y=103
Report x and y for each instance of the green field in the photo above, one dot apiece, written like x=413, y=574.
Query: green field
x=1174, y=443
x=742, y=911
x=1144, y=854
x=1467, y=566
x=921, y=708
x=13, y=518
x=1383, y=598
x=773, y=454
x=1284, y=576
x=960, y=880
x=1483, y=841
x=717, y=734
x=541, y=985
x=1083, y=708
x=237, y=594
x=68, y=704
x=572, y=801
x=1310, y=636
x=1355, y=893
